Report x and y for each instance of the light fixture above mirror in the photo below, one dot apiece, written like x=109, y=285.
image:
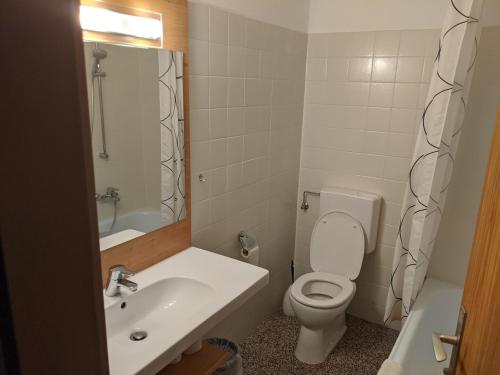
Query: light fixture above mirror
x=120, y=25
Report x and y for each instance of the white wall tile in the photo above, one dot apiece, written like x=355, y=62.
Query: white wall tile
x=356, y=93
x=384, y=69
x=218, y=92
x=199, y=152
x=236, y=121
x=254, y=34
x=252, y=63
x=415, y=42
x=236, y=92
x=198, y=21
x=386, y=43
x=404, y=120
x=218, y=181
x=337, y=69
x=376, y=142
x=198, y=62
x=234, y=176
x=218, y=153
x=410, y=69
x=218, y=123
x=360, y=69
x=266, y=64
x=406, y=95
x=201, y=215
x=198, y=93
x=428, y=69
x=218, y=208
x=317, y=45
x=236, y=30
x=316, y=69
x=381, y=94
x=218, y=59
x=396, y=168
x=234, y=149
x=199, y=125
x=362, y=43
x=378, y=119
x=200, y=191
x=236, y=61
x=338, y=44
x=400, y=145
x=218, y=26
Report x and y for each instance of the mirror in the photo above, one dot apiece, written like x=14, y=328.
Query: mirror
x=136, y=116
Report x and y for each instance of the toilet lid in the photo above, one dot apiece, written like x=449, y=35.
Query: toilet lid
x=337, y=245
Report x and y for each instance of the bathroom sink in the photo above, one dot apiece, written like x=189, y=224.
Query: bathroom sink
x=178, y=301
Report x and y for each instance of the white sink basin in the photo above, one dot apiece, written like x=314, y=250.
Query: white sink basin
x=178, y=301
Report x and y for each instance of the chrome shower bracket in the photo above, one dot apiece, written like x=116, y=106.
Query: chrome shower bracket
x=305, y=205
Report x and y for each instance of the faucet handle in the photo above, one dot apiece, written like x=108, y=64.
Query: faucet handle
x=119, y=271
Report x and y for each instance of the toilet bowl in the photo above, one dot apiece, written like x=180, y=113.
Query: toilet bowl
x=320, y=298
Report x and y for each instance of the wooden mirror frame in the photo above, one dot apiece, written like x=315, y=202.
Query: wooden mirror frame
x=151, y=248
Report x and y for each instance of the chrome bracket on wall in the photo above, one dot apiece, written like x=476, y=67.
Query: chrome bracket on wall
x=305, y=205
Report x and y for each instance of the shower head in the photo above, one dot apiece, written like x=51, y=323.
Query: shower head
x=99, y=54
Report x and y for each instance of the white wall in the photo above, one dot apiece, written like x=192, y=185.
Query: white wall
x=247, y=90
x=327, y=16
x=491, y=13
x=364, y=95
x=451, y=254
x=292, y=14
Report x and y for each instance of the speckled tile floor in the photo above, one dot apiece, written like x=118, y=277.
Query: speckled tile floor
x=270, y=349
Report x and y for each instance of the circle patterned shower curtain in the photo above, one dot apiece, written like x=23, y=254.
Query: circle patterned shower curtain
x=170, y=81
x=433, y=157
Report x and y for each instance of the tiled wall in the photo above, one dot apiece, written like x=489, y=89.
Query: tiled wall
x=247, y=89
x=363, y=98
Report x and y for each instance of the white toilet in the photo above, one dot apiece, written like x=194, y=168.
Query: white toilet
x=346, y=229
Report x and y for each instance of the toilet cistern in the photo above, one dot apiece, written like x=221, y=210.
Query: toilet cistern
x=118, y=278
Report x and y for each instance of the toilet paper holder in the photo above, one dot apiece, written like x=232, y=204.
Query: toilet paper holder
x=247, y=242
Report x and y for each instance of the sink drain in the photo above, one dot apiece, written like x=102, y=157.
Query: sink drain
x=138, y=335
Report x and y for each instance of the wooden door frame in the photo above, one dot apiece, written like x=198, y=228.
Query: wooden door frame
x=48, y=223
x=479, y=350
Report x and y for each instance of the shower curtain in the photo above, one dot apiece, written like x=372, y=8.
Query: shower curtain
x=433, y=157
x=172, y=136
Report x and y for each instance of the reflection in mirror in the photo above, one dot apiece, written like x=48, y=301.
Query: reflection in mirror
x=136, y=119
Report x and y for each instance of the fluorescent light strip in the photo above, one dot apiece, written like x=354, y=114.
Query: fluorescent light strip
x=106, y=21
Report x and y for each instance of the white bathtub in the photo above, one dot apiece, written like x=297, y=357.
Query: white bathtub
x=436, y=309
x=144, y=221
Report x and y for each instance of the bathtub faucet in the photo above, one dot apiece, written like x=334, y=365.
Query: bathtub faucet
x=111, y=195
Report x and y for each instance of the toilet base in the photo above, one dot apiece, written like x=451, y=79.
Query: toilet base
x=314, y=345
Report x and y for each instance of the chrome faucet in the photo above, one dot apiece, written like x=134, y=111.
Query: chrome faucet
x=118, y=278
x=111, y=195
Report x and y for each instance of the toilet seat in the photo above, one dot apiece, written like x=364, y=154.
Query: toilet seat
x=341, y=286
